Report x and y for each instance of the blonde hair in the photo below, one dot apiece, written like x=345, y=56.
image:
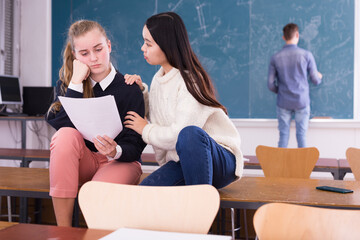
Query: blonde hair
x=77, y=29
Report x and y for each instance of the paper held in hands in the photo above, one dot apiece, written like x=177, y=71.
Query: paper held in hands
x=93, y=116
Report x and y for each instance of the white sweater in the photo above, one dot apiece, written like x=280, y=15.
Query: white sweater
x=172, y=107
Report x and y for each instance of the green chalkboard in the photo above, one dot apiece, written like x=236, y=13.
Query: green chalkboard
x=234, y=40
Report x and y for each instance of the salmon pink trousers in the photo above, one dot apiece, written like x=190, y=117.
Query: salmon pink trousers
x=72, y=164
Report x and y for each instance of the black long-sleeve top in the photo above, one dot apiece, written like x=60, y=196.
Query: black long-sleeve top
x=127, y=98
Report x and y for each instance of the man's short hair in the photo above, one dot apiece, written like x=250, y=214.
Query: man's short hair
x=289, y=31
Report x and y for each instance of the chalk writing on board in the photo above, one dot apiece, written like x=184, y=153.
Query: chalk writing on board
x=234, y=40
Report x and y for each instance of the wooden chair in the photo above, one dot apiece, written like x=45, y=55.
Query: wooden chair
x=189, y=209
x=290, y=221
x=353, y=157
x=287, y=162
x=283, y=162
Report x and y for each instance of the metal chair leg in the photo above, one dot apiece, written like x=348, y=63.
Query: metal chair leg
x=237, y=229
x=232, y=224
x=9, y=208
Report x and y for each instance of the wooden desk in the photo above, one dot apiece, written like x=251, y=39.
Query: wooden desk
x=42, y=232
x=250, y=192
x=24, y=183
x=45, y=232
x=149, y=159
x=328, y=165
x=4, y=225
x=25, y=155
x=29, y=182
x=34, y=182
x=322, y=165
x=29, y=155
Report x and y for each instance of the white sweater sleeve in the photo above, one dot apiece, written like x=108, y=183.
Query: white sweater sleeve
x=188, y=111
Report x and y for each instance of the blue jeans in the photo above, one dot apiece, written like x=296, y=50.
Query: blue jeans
x=202, y=161
x=302, y=117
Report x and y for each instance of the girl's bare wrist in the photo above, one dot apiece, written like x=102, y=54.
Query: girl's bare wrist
x=75, y=81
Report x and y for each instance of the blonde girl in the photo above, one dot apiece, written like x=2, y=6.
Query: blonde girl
x=88, y=72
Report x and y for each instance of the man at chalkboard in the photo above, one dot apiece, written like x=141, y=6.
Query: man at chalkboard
x=288, y=78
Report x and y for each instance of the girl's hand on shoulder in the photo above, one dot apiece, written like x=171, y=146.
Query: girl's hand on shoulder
x=135, y=122
x=105, y=145
x=130, y=79
x=81, y=71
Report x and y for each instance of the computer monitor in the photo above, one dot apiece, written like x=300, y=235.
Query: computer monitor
x=37, y=100
x=10, y=90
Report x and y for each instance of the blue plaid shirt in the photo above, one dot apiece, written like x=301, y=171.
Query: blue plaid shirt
x=288, y=76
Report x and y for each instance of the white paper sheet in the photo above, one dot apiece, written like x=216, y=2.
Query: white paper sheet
x=93, y=116
x=137, y=234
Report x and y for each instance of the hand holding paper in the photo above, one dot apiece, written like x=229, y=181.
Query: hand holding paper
x=105, y=145
x=93, y=116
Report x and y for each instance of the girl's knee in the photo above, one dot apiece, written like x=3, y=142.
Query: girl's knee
x=189, y=130
x=66, y=135
x=67, y=142
x=119, y=172
x=68, y=131
x=190, y=137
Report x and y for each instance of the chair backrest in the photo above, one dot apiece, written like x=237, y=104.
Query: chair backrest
x=287, y=162
x=353, y=157
x=189, y=209
x=290, y=221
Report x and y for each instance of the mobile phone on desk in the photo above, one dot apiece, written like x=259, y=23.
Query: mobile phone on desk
x=334, y=189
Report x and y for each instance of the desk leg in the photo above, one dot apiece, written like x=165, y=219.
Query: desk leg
x=23, y=209
x=38, y=210
x=223, y=221
x=23, y=134
x=26, y=163
x=23, y=163
x=336, y=175
x=342, y=174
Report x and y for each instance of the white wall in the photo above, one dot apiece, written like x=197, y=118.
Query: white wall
x=35, y=43
x=35, y=59
x=35, y=70
x=331, y=137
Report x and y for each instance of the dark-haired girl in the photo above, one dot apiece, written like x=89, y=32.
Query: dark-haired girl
x=194, y=140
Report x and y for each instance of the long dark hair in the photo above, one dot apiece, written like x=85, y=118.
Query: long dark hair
x=169, y=32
